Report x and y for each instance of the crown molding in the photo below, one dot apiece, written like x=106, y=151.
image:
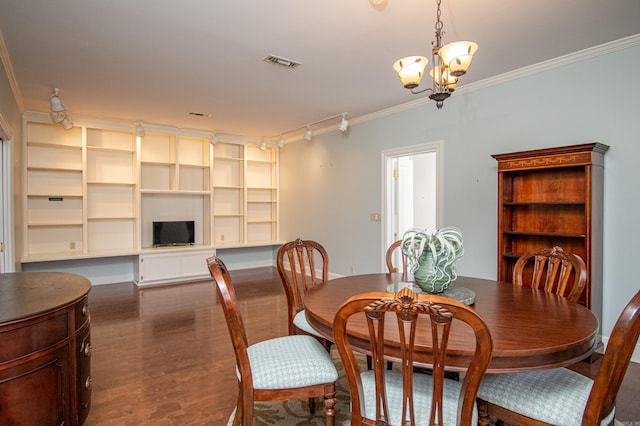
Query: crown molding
x=8, y=69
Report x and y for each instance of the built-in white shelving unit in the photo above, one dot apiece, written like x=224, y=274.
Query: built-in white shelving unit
x=93, y=192
x=54, y=176
x=261, y=195
x=111, y=190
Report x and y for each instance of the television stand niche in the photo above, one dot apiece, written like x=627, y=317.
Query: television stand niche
x=173, y=264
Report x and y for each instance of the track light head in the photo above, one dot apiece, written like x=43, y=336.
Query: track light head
x=214, y=139
x=308, y=134
x=56, y=101
x=262, y=146
x=344, y=124
x=140, y=131
x=280, y=142
x=66, y=124
x=57, y=116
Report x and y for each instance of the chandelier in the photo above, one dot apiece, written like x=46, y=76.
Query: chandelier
x=450, y=62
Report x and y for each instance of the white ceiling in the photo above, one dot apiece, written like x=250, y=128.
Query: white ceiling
x=157, y=60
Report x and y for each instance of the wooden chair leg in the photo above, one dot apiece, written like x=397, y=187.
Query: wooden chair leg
x=312, y=405
x=244, y=410
x=483, y=413
x=237, y=418
x=329, y=405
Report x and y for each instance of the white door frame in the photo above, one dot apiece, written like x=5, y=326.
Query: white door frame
x=7, y=263
x=387, y=186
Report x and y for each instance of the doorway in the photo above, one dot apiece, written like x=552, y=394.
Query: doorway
x=6, y=206
x=412, y=191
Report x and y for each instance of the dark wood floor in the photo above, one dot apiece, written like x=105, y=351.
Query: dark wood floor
x=162, y=355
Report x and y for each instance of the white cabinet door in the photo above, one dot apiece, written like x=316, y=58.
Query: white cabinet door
x=173, y=266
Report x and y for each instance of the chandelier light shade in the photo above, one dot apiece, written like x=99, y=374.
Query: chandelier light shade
x=450, y=62
x=410, y=70
x=457, y=56
x=443, y=82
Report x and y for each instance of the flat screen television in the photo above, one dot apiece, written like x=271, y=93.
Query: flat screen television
x=173, y=233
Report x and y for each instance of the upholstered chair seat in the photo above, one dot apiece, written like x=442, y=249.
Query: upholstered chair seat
x=557, y=396
x=290, y=362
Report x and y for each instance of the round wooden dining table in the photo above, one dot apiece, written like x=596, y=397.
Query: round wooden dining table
x=531, y=329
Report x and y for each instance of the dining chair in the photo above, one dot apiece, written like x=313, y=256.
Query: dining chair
x=404, y=396
x=389, y=258
x=277, y=369
x=551, y=269
x=562, y=396
x=296, y=262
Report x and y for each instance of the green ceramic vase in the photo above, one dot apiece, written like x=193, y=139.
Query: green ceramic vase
x=429, y=278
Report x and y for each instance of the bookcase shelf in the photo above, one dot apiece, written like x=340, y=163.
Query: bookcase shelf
x=553, y=197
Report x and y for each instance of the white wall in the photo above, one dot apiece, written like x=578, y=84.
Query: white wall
x=330, y=185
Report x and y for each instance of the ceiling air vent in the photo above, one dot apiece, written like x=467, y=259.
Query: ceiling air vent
x=284, y=62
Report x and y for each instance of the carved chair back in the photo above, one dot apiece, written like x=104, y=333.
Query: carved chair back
x=437, y=313
x=389, y=258
x=551, y=270
x=298, y=264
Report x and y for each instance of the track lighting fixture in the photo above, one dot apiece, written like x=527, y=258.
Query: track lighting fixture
x=57, y=116
x=214, y=139
x=308, y=134
x=140, y=131
x=56, y=101
x=57, y=113
x=66, y=124
x=344, y=123
x=262, y=146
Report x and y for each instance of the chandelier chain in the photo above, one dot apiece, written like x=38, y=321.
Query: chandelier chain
x=438, y=21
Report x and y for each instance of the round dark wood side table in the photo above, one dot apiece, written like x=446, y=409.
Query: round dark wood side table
x=45, y=348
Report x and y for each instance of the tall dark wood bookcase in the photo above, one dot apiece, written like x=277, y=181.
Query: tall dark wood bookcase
x=553, y=197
